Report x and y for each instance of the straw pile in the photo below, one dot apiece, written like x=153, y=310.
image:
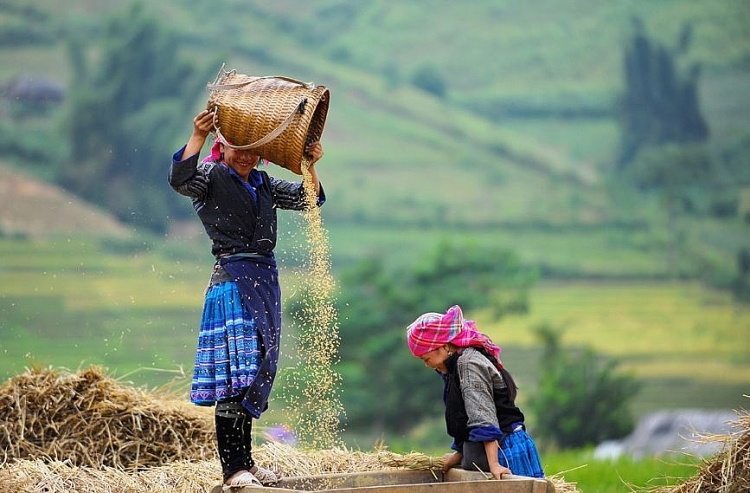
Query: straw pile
x=292, y=461
x=175, y=477
x=62, y=477
x=726, y=472
x=89, y=419
x=200, y=476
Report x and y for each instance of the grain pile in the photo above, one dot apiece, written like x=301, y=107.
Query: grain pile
x=726, y=472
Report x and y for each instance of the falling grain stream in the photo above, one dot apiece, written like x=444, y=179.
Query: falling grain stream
x=318, y=409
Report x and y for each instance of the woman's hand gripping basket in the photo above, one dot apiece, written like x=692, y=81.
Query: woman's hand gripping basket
x=273, y=115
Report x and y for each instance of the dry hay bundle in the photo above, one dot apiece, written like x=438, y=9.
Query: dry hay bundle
x=413, y=460
x=92, y=420
x=726, y=472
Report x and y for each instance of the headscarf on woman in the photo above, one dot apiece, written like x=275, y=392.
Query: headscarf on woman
x=215, y=154
x=433, y=330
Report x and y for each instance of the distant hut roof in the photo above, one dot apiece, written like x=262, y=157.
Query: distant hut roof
x=34, y=89
x=674, y=432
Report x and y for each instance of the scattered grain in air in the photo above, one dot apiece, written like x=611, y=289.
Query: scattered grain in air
x=316, y=406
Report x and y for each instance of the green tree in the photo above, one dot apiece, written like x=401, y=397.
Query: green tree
x=386, y=389
x=581, y=400
x=125, y=114
x=660, y=104
x=682, y=174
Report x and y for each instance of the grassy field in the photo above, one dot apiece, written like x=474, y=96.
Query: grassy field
x=403, y=166
x=615, y=476
x=688, y=345
x=72, y=303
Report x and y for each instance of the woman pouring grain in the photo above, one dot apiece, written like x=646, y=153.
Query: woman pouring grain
x=240, y=329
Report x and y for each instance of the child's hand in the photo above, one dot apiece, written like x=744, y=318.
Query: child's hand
x=498, y=471
x=451, y=460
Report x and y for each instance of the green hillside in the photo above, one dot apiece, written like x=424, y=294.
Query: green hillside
x=399, y=158
x=517, y=150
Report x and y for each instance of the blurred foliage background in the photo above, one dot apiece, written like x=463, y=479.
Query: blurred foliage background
x=573, y=173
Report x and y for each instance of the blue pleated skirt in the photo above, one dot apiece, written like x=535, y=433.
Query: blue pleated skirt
x=519, y=454
x=228, y=354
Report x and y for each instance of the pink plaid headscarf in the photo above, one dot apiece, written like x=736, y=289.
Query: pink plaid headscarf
x=433, y=330
x=215, y=154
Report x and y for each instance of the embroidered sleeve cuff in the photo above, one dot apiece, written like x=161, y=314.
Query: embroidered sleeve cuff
x=177, y=155
x=485, y=434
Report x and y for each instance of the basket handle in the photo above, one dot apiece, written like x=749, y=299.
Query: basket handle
x=215, y=86
x=235, y=85
x=270, y=136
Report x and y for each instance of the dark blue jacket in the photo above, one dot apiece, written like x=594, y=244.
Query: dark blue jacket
x=240, y=219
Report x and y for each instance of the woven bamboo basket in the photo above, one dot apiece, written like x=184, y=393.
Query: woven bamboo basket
x=275, y=116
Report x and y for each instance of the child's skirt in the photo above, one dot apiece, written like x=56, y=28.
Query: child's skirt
x=519, y=454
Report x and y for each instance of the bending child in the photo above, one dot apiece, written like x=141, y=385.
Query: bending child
x=481, y=416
